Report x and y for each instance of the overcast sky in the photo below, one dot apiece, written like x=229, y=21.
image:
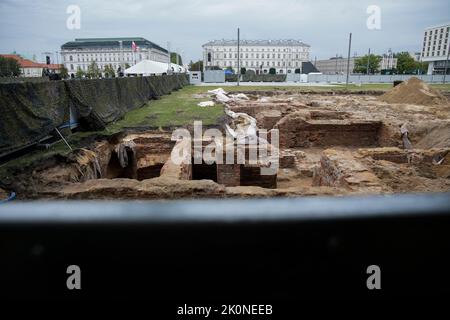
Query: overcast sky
x=33, y=26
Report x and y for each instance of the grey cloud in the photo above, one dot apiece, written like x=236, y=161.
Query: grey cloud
x=31, y=27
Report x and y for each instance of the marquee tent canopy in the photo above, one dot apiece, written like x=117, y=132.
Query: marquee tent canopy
x=149, y=67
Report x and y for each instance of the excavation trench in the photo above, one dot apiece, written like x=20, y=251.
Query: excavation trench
x=328, y=145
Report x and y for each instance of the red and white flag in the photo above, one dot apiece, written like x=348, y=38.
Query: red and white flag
x=133, y=46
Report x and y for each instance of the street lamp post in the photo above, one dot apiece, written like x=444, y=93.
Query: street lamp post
x=446, y=63
x=348, y=59
x=238, y=57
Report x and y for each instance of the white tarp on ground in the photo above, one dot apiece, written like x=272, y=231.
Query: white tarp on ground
x=206, y=104
x=149, y=67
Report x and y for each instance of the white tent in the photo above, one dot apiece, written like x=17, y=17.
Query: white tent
x=149, y=67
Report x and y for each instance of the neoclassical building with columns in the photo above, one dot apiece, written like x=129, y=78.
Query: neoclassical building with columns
x=285, y=56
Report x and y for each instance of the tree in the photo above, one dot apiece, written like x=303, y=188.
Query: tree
x=173, y=58
x=407, y=65
x=80, y=73
x=9, y=67
x=64, y=73
x=422, y=67
x=361, y=64
x=109, y=71
x=127, y=65
x=196, y=66
x=93, y=70
x=272, y=71
x=243, y=70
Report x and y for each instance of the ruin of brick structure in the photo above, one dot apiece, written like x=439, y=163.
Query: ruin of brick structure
x=330, y=144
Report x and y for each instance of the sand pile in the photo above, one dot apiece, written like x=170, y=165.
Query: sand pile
x=414, y=91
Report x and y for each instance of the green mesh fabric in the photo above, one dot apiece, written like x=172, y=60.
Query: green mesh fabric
x=30, y=111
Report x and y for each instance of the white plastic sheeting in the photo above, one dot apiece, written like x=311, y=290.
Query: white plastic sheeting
x=217, y=91
x=240, y=96
x=206, y=104
x=244, y=127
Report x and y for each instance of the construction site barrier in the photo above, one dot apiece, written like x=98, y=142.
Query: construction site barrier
x=30, y=111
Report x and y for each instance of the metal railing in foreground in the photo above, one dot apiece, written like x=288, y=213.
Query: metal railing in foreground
x=228, y=250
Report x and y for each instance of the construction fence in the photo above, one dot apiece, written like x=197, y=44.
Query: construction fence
x=31, y=111
x=321, y=78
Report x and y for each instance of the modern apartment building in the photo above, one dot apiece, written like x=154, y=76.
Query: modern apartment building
x=435, y=48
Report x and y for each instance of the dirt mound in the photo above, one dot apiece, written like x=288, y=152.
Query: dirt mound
x=414, y=91
x=438, y=137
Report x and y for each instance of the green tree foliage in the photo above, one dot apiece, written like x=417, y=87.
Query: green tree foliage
x=422, y=67
x=361, y=64
x=196, y=66
x=407, y=65
x=109, y=71
x=9, y=67
x=272, y=71
x=64, y=73
x=173, y=58
x=127, y=65
x=93, y=70
x=80, y=73
x=243, y=70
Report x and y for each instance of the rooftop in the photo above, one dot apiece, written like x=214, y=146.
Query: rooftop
x=281, y=42
x=438, y=26
x=83, y=43
x=25, y=63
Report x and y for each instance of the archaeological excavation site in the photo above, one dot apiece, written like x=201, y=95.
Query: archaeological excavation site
x=326, y=143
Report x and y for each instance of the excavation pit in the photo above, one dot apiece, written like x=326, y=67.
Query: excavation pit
x=329, y=145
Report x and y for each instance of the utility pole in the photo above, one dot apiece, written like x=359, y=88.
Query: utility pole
x=121, y=56
x=446, y=63
x=169, y=60
x=348, y=58
x=336, y=72
x=238, y=57
x=368, y=63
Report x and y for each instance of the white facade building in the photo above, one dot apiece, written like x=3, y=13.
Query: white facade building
x=285, y=56
x=388, y=62
x=435, y=48
x=117, y=52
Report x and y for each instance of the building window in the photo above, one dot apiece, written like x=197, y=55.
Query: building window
x=70, y=58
